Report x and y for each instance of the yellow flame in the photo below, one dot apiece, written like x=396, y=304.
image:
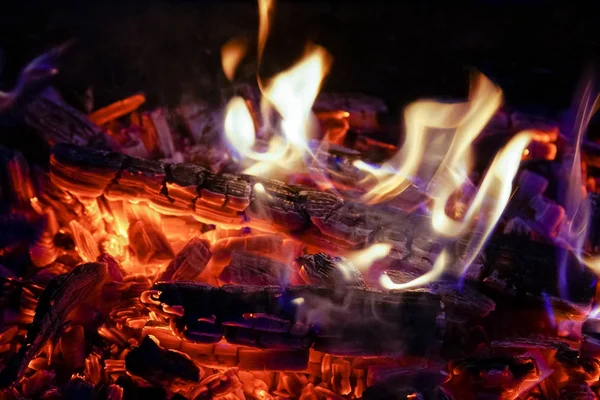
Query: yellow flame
x=437, y=269
x=468, y=119
x=363, y=259
x=592, y=263
x=265, y=15
x=239, y=126
x=232, y=53
x=292, y=93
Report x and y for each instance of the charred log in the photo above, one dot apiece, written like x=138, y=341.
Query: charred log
x=357, y=322
x=322, y=269
x=59, y=298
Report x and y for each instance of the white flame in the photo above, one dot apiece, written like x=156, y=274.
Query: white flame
x=436, y=271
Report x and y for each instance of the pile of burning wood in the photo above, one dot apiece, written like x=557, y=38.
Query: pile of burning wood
x=159, y=257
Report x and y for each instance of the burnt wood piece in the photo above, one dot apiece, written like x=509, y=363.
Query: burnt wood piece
x=58, y=122
x=406, y=382
x=59, y=298
x=524, y=269
x=160, y=366
x=461, y=303
x=233, y=200
x=219, y=355
x=17, y=229
x=253, y=269
x=499, y=376
x=189, y=262
x=355, y=322
x=322, y=269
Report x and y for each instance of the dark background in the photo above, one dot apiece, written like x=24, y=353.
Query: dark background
x=397, y=50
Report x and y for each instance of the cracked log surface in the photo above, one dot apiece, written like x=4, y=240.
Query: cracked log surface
x=355, y=322
x=316, y=217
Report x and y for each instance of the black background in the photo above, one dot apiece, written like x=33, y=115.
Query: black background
x=400, y=51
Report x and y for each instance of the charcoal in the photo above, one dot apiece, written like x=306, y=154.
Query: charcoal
x=252, y=269
x=495, y=375
x=322, y=269
x=160, y=366
x=59, y=298
x=78, y=389
x=233, y=200
x=357, y=321
x=189, y=262
x=148, y=242
x=17, y=229
x=115, y=270
x=133, y=391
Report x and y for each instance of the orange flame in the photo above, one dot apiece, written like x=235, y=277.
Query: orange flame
x=291, y=93
x=232, y=53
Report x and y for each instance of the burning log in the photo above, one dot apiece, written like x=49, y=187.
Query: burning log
x=322, y=269
x=57, y=301
x=253, y=269
x=503, y=377
x=221, y=354
x=189, y=262
x=522, y=268
x=299, y=317
x=316, y=217
x=238, y=200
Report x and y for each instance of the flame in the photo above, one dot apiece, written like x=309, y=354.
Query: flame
x=266, y=8
x=437, y=269
x=294, y=91
x=468, y=119
x=291, y=93
x=232, y=53
x=363, y=259
x=239, y=126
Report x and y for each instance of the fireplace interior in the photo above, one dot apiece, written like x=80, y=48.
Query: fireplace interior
x=281, y=200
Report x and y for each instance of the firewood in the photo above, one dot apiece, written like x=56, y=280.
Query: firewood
x=317, y=217
x=234, y=200
x=322, y=269
x=219, y=355
x=59, y=298
x=252, y=269
x=189, y=262
x=357, y=321
x=526, y=269
x=500, y=376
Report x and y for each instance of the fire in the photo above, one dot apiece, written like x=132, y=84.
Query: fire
x=467, y=120
x=363, y=259
x=290, y=94
x=232, y=53
x=438, y=267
